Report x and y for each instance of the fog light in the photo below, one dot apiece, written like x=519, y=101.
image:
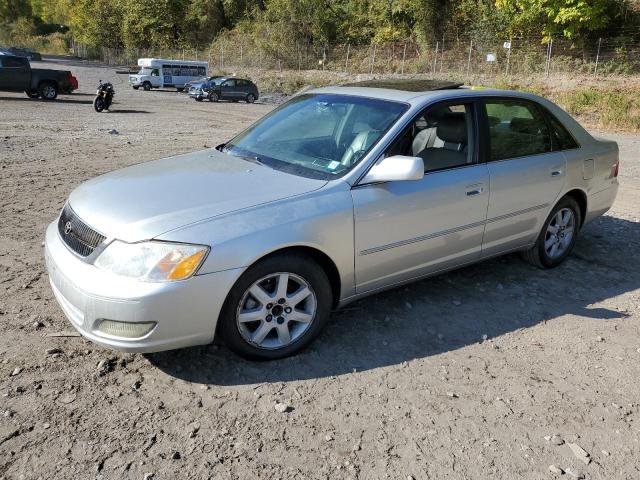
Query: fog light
x=125, y=329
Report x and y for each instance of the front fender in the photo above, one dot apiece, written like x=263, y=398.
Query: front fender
x=322, y=220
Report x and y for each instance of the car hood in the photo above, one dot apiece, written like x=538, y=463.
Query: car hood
x=146, y=200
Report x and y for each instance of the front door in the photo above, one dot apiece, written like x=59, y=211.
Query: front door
x=228, y=89
x=14, y=73
x=408, y=229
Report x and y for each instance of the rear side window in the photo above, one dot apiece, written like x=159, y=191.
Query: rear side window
x=517, y=129
x=563, y=140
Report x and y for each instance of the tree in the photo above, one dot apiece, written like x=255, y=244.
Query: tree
x=570, y=18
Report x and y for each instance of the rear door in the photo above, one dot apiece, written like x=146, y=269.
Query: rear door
x=15, y=73
x=526, y=173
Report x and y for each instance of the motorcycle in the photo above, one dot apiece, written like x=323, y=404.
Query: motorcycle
x=104, y=96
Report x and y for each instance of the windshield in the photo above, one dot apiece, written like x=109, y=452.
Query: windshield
x=145, y=71
x=323, y=134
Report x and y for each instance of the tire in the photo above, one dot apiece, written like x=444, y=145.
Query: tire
x=276, y=317
x=213, y=97
x=198, y=99
x=48, y=91
x=136, y=88
x=32, y=93
x=99, y=104
x=251, y=98
x=180, y=89
x=543, y=254
x=146, y=86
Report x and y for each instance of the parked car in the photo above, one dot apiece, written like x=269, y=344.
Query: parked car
x=17, y=75
x=225, y=88
x=199, y=81
x=26, y=52
x=335, y=195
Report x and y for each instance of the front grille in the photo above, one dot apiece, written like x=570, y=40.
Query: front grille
x=78, y=236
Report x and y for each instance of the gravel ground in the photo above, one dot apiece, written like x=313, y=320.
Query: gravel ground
x=491, y=371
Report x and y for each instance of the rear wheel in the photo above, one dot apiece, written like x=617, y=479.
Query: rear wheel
x=276, y=308
x=146, y=86
x=251, y=98
x=48, y=91
x=32, y=93
x=213, y=97
x=558, y=236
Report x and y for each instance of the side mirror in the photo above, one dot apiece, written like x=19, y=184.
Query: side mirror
x=395, y=168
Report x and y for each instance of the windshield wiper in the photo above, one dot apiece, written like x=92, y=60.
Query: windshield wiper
x=249, y=158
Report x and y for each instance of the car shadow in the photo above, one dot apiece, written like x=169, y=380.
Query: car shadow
x=127, y=110
x=57, y=100
x=442, y=313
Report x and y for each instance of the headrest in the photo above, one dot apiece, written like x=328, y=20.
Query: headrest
x=452, y=128
x=524, y=125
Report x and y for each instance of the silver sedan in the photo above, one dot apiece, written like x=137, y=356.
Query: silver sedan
x=337, y=194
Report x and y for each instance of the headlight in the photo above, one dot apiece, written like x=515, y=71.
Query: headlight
x=152, y=261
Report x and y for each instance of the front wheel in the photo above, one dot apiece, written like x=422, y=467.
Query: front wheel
x=276, y=308
x=558, y=236
x=213, y=97
x=146, y=86
x=48, y=91
x=99, y=104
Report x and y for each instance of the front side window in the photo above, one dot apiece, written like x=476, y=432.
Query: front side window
x=442, y=135
x=516, y=129
x=9, y=62
x=229, y=83
x=155, y=72
x=318, y=135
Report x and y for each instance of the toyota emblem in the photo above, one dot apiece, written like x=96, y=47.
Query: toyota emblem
x=67, y=228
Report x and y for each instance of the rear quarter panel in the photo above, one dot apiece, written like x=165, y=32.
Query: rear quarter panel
x=589, y=167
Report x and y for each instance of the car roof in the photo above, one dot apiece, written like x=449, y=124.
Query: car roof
x=407, y=85
x=417, y=97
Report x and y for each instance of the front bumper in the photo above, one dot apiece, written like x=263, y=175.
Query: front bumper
x=185, y=312
x=196, y=94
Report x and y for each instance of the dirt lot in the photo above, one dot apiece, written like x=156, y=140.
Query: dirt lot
x=401, y=385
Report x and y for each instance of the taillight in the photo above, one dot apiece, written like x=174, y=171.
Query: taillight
x=615, y=169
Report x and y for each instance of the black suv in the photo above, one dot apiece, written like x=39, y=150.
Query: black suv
x=225, y=88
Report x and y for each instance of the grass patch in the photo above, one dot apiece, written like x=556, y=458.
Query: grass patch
x=611, y=108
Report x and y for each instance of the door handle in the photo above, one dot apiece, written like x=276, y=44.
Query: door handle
x=556, y=173
x=474, y=190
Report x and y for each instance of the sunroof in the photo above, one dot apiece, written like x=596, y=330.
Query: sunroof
x=415, y=85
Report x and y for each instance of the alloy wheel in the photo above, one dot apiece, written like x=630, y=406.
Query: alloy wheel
x=276, y=310
x=49, y=91
x=560, y=232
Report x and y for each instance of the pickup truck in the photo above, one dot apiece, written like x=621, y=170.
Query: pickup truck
x=16, y=75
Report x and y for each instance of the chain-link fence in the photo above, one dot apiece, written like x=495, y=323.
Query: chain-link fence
x=458, y=57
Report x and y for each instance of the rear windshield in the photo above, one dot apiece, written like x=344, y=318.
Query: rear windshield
x=318, y=135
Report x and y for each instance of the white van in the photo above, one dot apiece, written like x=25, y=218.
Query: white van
x=159, y=72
